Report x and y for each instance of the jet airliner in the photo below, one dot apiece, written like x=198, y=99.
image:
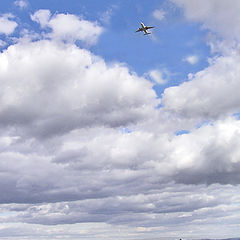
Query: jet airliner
x=144, y=29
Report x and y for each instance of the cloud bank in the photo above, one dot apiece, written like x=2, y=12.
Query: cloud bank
x=84, y=141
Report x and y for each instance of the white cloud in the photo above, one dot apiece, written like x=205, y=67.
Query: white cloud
x=68, y=27
x=109, y=171
x=209, y=154
x=106, y=16
x=61, y=125
x=192, y=59
x=219, y=16
x=159, y=14
x=158, y=76
x=90, y=92
x=7, y=26
x=204, y=97
x=42, y=17
x=21, y=3
x=66, y=160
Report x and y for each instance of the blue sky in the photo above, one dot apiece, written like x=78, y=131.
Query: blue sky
x=109, y=134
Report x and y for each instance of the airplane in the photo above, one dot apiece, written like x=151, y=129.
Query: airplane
x=144, y=29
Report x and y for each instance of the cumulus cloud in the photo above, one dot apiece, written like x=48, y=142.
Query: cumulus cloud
x=68, y=27
x=85, y=162
x=219, y=16
x=90, y=92
x=187, y=158
x=211, y=155
x=99, y=163
x=7, y=26
x=83, y=141
x=42, y=17
x=203, y=96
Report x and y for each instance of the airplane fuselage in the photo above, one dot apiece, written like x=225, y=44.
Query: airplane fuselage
x=143, y=26
x=144, y=29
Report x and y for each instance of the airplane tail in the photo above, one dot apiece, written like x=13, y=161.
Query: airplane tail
x=147, y=33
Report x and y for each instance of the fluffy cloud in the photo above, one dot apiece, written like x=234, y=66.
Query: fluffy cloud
x=56, y=96
x=7, y=26
x=219, y=16
x=204, y=96
x=42, y=17
x=68, y=27
x=89, y=169
x=209, y=154
x=101, y=163
x=187, y=158
x=82, y=141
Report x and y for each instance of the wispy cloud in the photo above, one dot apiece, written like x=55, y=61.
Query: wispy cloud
x=2, y=43
x=106, y=16
x=159, y=14
x=21, y=3
x=159, y=76
x=191, y=59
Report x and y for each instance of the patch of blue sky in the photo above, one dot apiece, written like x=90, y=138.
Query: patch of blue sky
x=204, y=123
x=182, y=132
x=159, y=105
x=125, y=130
x=20, y=16
x=6, y=6
x=90, y=9
x=6, y=41
x=173, y=40
x=236, y=115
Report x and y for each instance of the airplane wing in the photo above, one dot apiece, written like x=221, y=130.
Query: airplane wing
x=148, y=27
x=139, y=30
